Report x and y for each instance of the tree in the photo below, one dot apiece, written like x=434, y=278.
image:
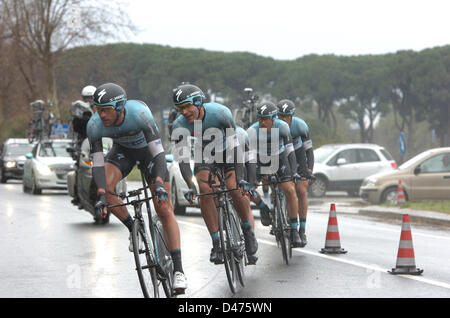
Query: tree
x=45, y=28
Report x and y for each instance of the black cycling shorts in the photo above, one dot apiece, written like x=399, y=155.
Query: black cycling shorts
x=284, y=169
x=126, y=158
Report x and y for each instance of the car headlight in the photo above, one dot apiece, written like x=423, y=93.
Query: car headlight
x=10, y=164
x=369, y=182
x=43, y=170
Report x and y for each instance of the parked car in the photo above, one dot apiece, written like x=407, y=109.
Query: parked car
x=343, y=167
x=12, y=158
x=177, y=184
x=47, y=166
x=423, y=177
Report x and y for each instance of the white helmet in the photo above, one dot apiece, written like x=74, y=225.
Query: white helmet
x=88, y=91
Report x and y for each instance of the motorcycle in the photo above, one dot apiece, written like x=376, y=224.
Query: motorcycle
x=80, y=184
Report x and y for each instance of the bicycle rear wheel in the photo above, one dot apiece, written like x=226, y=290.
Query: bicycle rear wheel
x=225, y=243
x=145, y=265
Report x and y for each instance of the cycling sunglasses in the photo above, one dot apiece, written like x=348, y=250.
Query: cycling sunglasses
x=284, y=115
x=184, y=106
x=105, y=109
x=194, y=100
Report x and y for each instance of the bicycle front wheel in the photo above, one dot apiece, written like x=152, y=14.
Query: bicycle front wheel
x=237, y=244
x=145, y=266
x=164, y=259
x=280, y=235
x=225, y=243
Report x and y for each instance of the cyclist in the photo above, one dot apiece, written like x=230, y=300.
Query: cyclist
x=190, y=102
x=87, y=94
x=260, y=136
x=247, y=157
x=135, y=137
x=305, y=157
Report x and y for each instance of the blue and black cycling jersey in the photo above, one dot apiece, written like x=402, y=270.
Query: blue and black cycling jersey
x=263, y=149
x=138, y=132
x=217, y=122
x=302, y=144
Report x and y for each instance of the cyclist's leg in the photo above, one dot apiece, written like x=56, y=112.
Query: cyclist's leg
x=207, y=203
x=117, y=166
x=302, y=194
x=209, y=211
x=241, y=202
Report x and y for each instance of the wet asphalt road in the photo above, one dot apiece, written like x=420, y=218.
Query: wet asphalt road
x=52, y=249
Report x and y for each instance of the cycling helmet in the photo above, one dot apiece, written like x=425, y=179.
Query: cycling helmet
x=110, y=95
x=188, y=93
x=267, y=109
x=88, y=91
x=286, y=107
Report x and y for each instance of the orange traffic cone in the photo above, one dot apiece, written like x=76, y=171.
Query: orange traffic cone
x=405, y=257
x=332, y=240
x=400, y=193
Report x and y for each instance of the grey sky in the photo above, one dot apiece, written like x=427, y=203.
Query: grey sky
x=288, y=29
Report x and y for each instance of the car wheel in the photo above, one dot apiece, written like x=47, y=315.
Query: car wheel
x=389, y=196
x=34, y=188
x=3, y=179
x=319, y=187
x=177, y=209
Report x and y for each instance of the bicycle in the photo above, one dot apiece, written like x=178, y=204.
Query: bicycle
x=231, y=235
x=151, y=254
x=280, y=225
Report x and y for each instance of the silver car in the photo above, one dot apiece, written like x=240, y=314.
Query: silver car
x=46, y=167
x=343, y=167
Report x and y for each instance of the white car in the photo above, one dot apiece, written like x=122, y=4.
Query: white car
x=47, y=166
x=343, y=167
x=178, y=186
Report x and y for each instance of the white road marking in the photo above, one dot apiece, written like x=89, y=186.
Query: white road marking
x=346, y=261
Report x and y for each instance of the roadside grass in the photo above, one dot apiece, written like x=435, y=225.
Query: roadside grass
x=437, y=206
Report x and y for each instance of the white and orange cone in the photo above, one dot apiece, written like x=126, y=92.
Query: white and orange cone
x=406, y=263
x=332, y=240
x=400, y=193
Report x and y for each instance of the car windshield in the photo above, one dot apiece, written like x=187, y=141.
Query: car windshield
x=18, y=149
x=411, y=162
x=55, y=149
x=322, y=153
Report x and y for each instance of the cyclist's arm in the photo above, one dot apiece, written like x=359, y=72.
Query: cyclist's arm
x=308, y=148
x=252, y=156
x=232, y=141
x=182, y=154
x=146, y=122
x=285, y=134
x=98, y=160
x=301, y=158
